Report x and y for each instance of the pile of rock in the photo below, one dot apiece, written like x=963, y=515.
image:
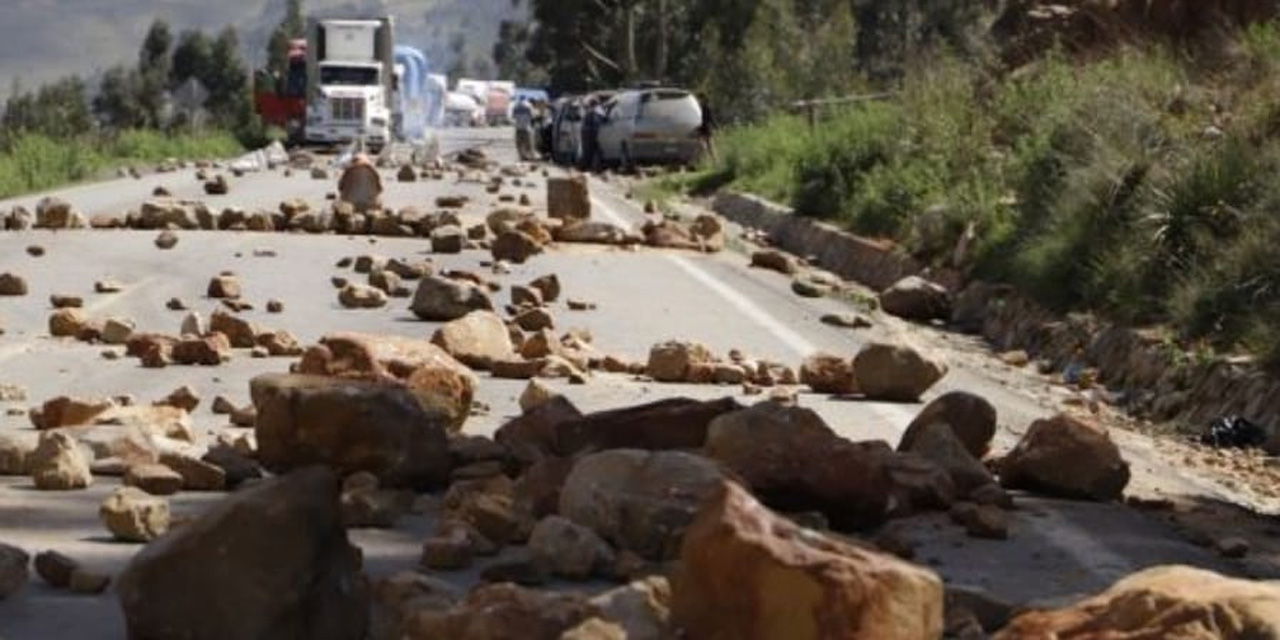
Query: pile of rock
x=197, y=345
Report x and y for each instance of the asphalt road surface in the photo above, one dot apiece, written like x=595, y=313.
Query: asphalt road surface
x=1057, y=549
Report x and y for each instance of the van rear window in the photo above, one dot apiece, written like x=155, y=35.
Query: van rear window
x=671, y=106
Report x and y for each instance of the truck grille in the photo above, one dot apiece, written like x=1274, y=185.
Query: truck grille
x=347, y=109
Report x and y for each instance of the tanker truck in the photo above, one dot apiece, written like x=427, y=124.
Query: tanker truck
x=350, y=81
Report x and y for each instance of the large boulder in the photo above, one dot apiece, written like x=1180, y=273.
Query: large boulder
x=15, y=569
x=915, y=298
x=442, y=299
x=271, y=561
x=748, y=574
x=675, y=423
x=439, y=382
x=535, y=434
x=1162, y=602
x=639, y=500
x=58, y=463
x=476, y=339
x=937, y=443
x=896, y=372
x=970, y=416
x=349, y=425
x=795, y=462
x=568, y=198
x=1064, y=456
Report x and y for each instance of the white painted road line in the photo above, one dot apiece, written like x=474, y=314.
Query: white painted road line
x=788, y=336
x=893, y=416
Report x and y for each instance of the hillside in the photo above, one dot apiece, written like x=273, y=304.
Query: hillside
x=44, y=39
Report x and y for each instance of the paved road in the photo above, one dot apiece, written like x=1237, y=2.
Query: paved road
x=644, y=297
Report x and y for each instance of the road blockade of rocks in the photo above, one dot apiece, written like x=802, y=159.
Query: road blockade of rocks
x=715, y=519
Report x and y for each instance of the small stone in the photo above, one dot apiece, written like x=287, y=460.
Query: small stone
x=535, y=395
x=846, y=320
x=356, y=296
x=275, y=306
x=12, y=285
x=155, y=479
x=166, y=240
x=58, y=301
x=35, y=251
x=107, y=286
x=808, y=289
x=176, y=304
x=580, y=305
x=55, y=568
x=224, y=286
x=222, y=406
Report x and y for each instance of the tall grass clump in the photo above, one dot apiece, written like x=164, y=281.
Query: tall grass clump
x=33, y=162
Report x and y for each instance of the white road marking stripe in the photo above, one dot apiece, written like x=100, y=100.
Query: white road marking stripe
x=788, y=336
x=782, y=332
x=895, y=416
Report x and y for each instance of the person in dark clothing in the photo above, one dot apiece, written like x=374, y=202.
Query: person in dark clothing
x=591, y=121
x=706, y=130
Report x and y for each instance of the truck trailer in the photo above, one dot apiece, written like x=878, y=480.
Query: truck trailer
x=350, y=81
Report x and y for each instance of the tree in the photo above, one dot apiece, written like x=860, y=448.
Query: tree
x=58, y=109
x=116, y=104
x=292, y=27
x=192, y=58
x=155, y=48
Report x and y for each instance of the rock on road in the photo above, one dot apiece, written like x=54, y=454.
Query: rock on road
x=1058, y=548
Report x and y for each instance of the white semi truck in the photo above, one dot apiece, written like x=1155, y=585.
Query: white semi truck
x=350, y=81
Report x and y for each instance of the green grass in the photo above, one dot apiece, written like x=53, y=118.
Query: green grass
x=1138, y=186
x=33, y=163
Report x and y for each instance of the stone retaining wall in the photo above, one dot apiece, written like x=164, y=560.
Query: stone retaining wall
x=1156, y=380
x=835, y=250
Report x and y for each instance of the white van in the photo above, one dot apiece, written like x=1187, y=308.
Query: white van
x=651, y=126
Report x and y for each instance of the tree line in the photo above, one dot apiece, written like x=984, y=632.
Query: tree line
x=747, y=56
x=144, y=95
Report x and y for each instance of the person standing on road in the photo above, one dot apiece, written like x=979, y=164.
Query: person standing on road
x=591, y=121
x=706, y=130
x=522, y=113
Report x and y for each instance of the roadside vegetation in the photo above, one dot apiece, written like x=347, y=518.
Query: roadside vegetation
x=187, y=97
x=1137, y=185
x=34, y=162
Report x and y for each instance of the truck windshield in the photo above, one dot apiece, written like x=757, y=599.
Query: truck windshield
x=349, y=76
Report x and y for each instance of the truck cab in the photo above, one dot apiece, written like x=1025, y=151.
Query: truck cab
x=350, y=77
